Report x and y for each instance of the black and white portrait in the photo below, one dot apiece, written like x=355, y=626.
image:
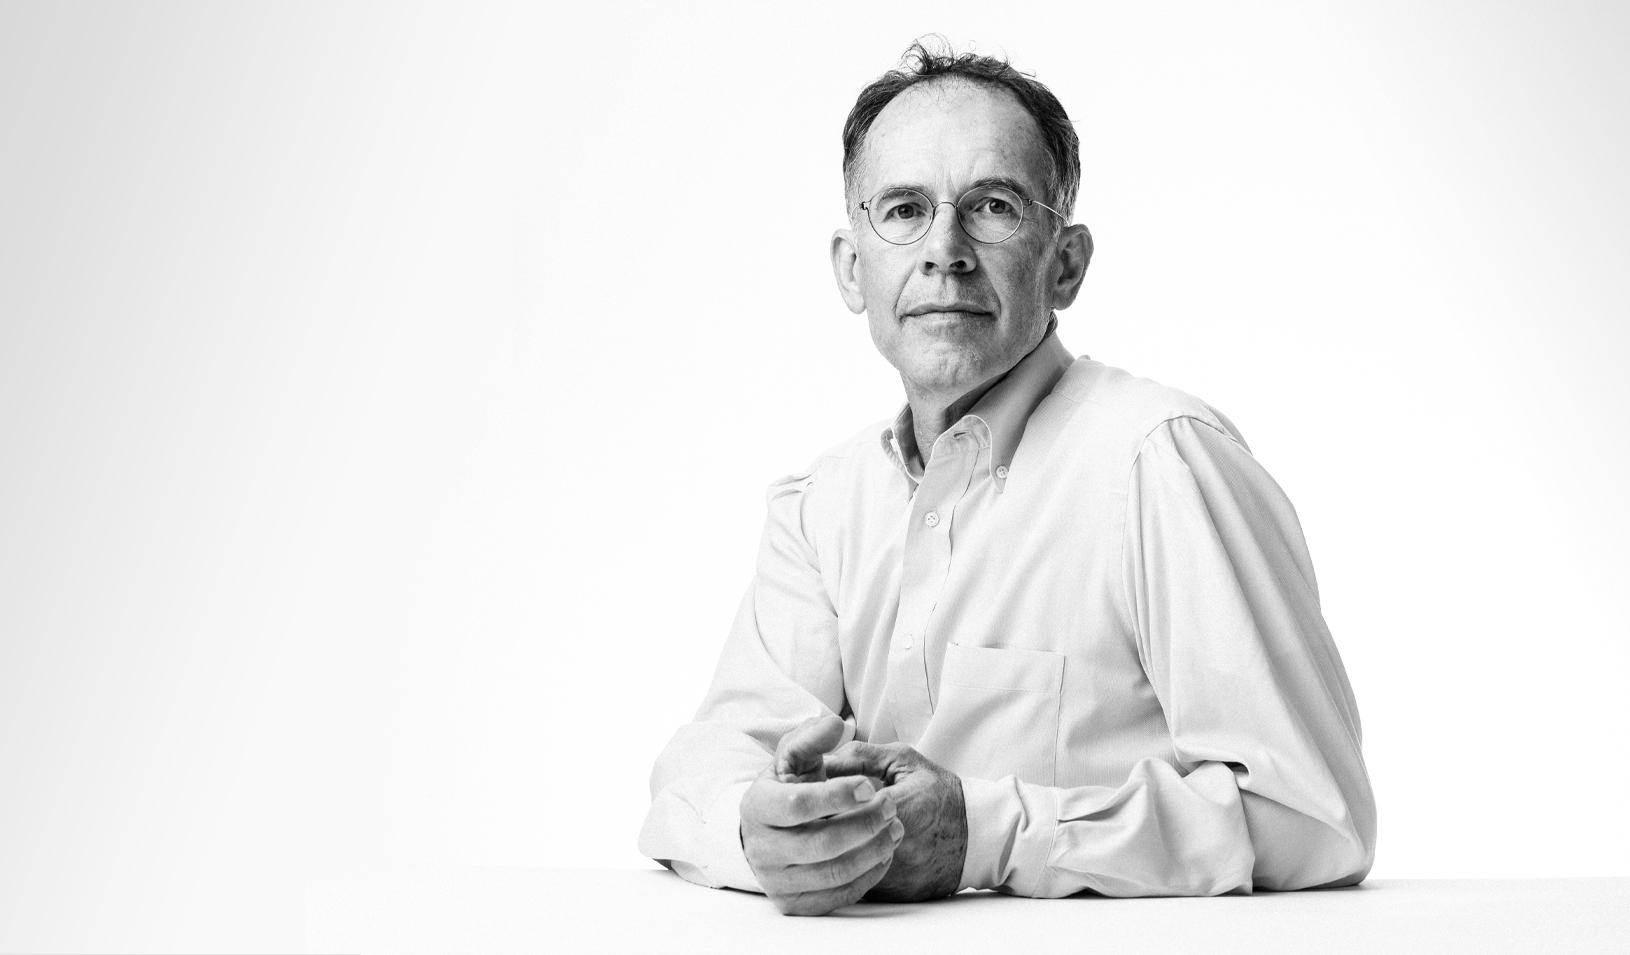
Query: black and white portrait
x=521, y=477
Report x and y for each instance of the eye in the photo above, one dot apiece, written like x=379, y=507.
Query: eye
x=997, y=206
x=901, y=209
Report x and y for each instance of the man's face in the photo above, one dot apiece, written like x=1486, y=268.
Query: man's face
x=948, y=312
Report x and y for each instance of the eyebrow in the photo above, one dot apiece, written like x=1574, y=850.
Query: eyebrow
x=1006, y=182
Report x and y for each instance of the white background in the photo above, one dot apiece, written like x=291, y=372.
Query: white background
x=387, y=398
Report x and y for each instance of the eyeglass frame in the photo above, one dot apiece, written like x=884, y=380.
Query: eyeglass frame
x=1025, y=204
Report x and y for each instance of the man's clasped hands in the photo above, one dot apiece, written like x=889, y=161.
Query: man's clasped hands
x=826, y=825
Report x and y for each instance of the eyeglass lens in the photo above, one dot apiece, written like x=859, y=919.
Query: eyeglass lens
x=988, y=214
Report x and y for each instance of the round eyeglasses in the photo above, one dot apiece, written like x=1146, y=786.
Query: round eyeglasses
x=988, y=214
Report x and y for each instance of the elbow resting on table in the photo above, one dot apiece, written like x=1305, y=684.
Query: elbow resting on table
x=1295, y=851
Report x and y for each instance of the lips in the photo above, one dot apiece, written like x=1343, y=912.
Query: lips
x=966, y=308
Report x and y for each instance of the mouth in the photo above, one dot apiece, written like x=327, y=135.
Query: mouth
x=949, y=311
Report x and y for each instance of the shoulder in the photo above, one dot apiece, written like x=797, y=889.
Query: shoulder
x=838, y=464
x=1131, y=408
x=1165, y=439
x=811, y=501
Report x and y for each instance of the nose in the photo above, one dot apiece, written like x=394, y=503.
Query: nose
x=947, y=247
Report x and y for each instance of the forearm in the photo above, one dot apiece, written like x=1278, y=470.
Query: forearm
x=784, y=625
x=1265, y=786
x=696, y=788
x=1161, y=833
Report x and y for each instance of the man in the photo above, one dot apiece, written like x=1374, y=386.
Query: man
x=1050, y=629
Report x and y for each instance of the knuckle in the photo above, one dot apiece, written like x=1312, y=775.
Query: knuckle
x=852, y=833
x=846, y=872
x=825, y=844
x=830, y=876
x=868, y=858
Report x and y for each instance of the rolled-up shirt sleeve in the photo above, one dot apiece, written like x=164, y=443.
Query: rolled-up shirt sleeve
x=780, y=666
x=1266, y=786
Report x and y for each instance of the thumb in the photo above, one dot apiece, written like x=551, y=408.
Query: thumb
x=862, y=759
x=799, y=757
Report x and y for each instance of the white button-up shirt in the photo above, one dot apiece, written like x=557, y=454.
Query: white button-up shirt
x=1092, y=604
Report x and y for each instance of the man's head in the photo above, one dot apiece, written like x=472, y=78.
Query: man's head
x=922, y=66
x=949, y=311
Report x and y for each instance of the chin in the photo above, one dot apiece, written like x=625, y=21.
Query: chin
x=950, y=367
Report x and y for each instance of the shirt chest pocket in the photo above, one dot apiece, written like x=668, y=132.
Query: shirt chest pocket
x=997, y=713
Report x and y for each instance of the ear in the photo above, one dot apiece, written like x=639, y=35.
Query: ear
x=846, y=269
x=1074, y=253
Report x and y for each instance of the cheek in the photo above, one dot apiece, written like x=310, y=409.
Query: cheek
x=882, y=278
x=1024, y=279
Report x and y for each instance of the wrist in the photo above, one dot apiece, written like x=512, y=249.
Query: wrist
x=950, y=848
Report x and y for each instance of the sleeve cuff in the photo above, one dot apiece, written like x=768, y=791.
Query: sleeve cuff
x=1010, y=834
x=721, y=837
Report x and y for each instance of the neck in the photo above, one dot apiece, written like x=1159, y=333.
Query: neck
x=933, y=413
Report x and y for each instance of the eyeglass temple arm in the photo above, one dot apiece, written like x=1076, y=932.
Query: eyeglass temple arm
x=1044, y=205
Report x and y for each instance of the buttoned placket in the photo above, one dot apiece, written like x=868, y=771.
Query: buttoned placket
x=925, y=564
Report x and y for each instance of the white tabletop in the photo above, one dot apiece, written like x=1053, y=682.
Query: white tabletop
x=471, y=909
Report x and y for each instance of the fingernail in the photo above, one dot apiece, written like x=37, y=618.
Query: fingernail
x=864, y=791
x=897, y=829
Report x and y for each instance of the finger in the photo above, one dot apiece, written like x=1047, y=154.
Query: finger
x=823, y=840
x=826, y=900
x=849, y=866
x=772, y=803
x=877, y=781
x=799, y=753
x=856, y=758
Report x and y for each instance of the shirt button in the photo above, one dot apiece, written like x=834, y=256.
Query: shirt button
x=908, y=641
x=932, y=519
x=1001, y=471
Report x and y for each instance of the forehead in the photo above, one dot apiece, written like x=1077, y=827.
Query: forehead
x=947, y=134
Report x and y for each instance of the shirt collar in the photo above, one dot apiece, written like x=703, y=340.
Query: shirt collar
x=1004, y=410
x=912, y=466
